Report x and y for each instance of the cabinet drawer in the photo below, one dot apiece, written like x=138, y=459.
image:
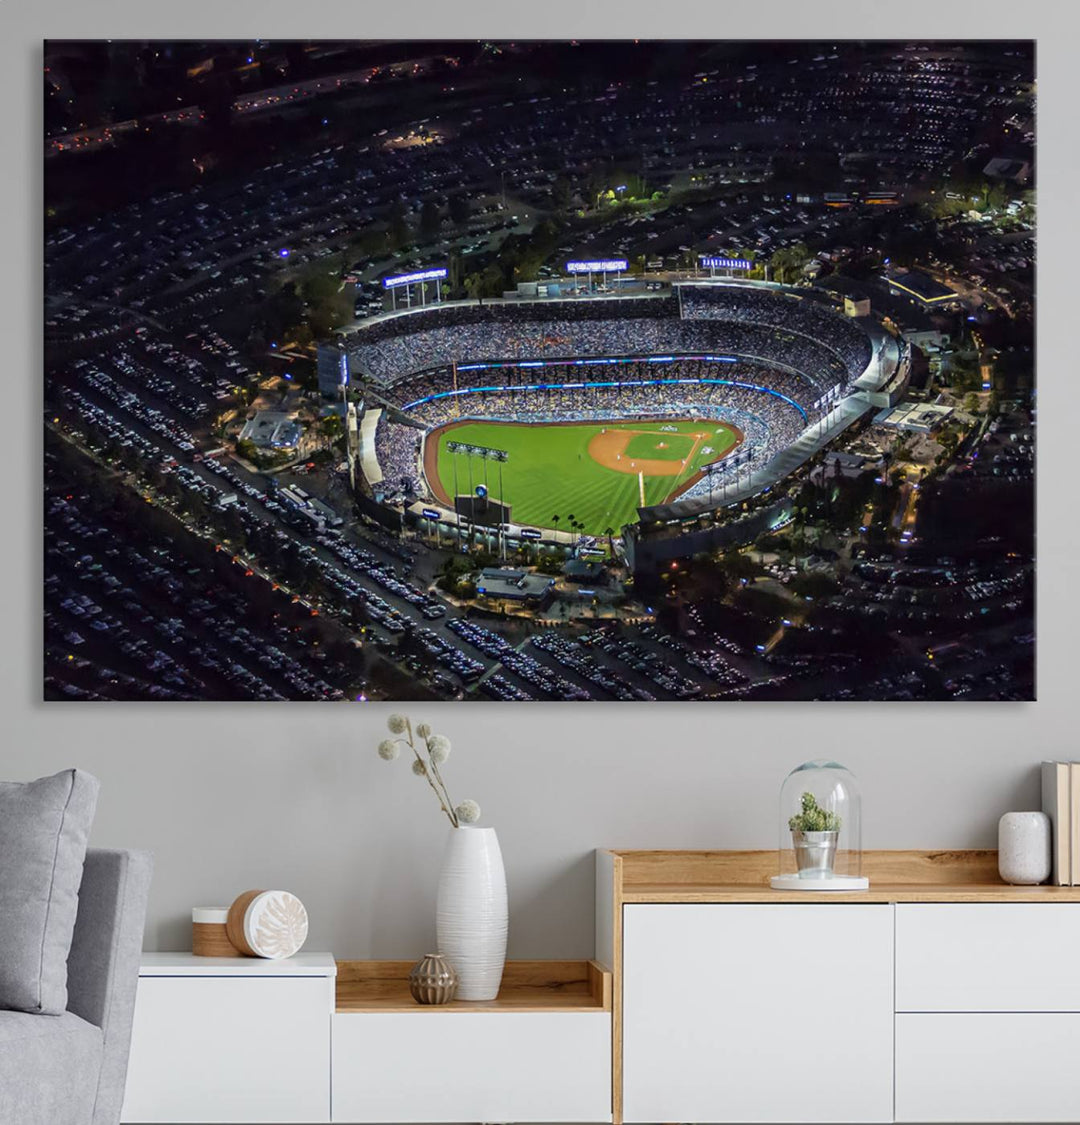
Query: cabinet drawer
x=230, y=1049
x=758, y=1013
x=472, y=1066
x=987, y=1067
x=988, y=957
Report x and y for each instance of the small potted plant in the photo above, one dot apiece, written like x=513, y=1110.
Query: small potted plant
x=814, y=835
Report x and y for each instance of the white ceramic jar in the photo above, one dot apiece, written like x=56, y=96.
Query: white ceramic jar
x=1024, y=848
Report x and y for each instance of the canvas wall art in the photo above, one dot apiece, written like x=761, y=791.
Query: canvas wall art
x=539, y=370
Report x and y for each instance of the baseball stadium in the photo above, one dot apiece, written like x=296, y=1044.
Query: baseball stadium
x=546, y=418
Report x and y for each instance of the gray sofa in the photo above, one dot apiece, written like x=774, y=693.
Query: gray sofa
x=70, y=1069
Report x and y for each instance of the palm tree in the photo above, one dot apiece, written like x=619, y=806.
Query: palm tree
x=610, y=533
x=573, y=525
x=474, y=283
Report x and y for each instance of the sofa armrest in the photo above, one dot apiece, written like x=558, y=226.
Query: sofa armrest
x=103, y=966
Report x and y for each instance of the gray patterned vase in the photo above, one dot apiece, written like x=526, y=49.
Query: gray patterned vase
x=433, y=980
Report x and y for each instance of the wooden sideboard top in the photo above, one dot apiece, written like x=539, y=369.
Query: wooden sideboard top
x=527, y=986
x=895, y=876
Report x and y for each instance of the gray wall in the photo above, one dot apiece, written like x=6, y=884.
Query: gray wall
x=232, y=797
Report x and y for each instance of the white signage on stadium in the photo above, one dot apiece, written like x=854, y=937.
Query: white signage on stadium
x=603, y=265
x=726, y=263
x=412, y=278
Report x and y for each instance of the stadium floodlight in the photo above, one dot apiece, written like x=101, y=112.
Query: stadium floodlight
x=413, y=278
x=725, y=263
x=599, y=265
x=484, y=451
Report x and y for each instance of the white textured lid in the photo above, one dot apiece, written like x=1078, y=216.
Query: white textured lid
x=214, y=915
x=275, y=924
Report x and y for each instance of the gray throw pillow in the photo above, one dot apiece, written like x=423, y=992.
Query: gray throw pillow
x=44, y=826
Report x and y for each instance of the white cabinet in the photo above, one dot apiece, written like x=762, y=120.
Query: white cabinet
x=988, y=1012
x=758, y=1013
x=472, y=1066
x=228, y=1040
x=988, y=1067
x=988, y=957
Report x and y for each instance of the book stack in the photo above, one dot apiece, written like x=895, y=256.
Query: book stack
x=1061, y=803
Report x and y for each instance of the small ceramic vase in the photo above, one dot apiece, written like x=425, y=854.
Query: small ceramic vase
x=433, y=980
x=1024, y=848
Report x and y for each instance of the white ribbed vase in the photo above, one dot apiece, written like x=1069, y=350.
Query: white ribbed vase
x=470, y=914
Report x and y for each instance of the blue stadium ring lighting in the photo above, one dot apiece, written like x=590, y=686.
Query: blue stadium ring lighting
x=589, y=362
x=463, y=391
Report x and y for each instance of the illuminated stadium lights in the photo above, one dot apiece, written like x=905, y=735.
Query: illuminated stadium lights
x=408, y=280
x=598, y=265
x=413, y=278
x=725, y=263
x=484, y=451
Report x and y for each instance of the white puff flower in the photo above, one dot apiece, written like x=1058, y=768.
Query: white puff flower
x=419, y=768
x=439, y=748
x=388, y=750
x=468, y=812
x=397, y=723
x=423, y=729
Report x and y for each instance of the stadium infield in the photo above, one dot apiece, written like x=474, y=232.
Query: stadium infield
x=587, y=470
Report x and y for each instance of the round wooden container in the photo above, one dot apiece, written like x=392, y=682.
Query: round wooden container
x=270, y=924
x=209, y=935
x=234, y=923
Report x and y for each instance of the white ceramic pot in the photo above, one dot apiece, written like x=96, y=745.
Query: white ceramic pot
x=1024, y=850
x=470, y=914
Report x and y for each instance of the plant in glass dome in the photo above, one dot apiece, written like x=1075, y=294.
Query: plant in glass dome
x=820, y=830
x=814, y=832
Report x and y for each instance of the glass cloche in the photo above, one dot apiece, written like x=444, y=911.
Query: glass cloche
x=820, y=830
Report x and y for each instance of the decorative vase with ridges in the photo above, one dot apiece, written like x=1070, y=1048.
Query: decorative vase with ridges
x=433, y=980
x=470, y=914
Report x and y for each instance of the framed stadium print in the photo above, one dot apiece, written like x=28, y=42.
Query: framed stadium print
x=477, y=370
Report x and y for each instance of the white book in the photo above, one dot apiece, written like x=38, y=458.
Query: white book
x=1055, y=803
x=1074, y=819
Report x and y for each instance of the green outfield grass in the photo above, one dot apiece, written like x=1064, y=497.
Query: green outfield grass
x=550, y=471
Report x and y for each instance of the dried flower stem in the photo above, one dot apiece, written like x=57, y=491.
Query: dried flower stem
x=444, y=799
x=446, y=793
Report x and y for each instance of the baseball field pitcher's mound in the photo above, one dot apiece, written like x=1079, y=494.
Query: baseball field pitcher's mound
x=609, y=449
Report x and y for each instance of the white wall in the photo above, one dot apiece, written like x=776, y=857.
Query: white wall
x=255, y=795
